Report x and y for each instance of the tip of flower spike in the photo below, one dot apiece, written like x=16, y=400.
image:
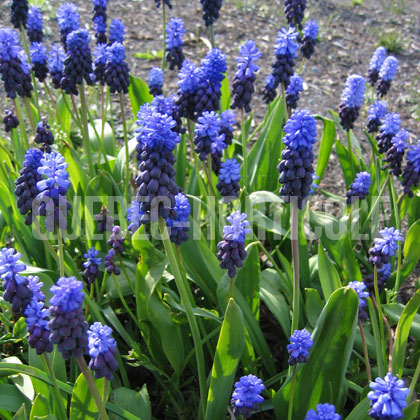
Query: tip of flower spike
x=389, y=69
x=323, y=412
x=238, y=229
x=354, y=92
x=387, y=245
x=295, y=85
x=214, y=66
x=116, y=53
x=38, y=52
x=300, y=130
x=157, y=131
x=116, y=31
x=78, y=39
x=377, y=59
x=67, y=294
x=9, y=44
x=377, y=110
x=361, y=291
x=230, y=171
x=400, y=140
x=286, y=44
x=311, y=29
x=249, y=55
x=182, y=207
x=299, y=348
x=175, y=30
x=413, y=156
x=99, y=339
x=155, y=76
x=188, y=77
x=228, y=119
x=247, y=395
x=391, y=123
x=68, y=18
x=100, y=53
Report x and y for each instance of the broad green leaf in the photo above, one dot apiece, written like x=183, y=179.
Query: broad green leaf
x=77, y=174
x=225, y=98
x=343, y=158
x=411, y=250
x=139, y=94
x=328, y=275
x=313, y=306
x=64, y=113
x=119, y=167
x=322, y=377
x=137, y=403
x=303, y=252
x=411, y=411
x=325, y=147
x=82, y=405
x=10, y=398
x=226, y=359
x=21, y=413
x=22, y=382
x=19, y=330
x=402, y=332
x=360, y=412
x=394, y=311
x=40, y=408
x=108, y=137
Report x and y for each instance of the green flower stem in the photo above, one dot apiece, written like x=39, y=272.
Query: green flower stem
x=414, y=381
x=231, y=287
x=93, y=388
x=196, y=167
x=365, y=351
x=54, y=102
x=73, y=113
x=164, y=34
x=211, y=28
x=377, y=338
x=296, y=268
x=86, y=143
x=244, y=151
x=123, y=301
x=398, y=226
x=61, y=414
x=301, y=66
x=348, y=134
x=126, y=274
x=127, y=157
x=377, y=302
x=103, y=116
x=182, y=288
x=292, y=393
x=60, y=252
x=29, y=112
x=21, y=125
x=103, y=285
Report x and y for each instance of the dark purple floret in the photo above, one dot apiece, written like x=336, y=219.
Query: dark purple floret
x=395, y=154
x=384, y=247
x=179, y=227
x=375, y=65
x=376, y=113
x=232, y=247
x=116, y=240
x=411, y=174
x=10, y=121
x=175, y=30
x=389, y=128
x=116, y=73
x=105, y=221
x=229, y=176
x=211, y=9
x=43, y=136
x=360, y=187
x=25, y=185
x=14, y=67
x=308, y=42
x=16, y=290
x=35, y=25
x=294, y=11
x=270, y=92
x=56, y=58
x=67, y=324
x=293, y=91
x=19, y=13
x=109, y=263
x=91, y=266
x=351, y=101
x=386, y=75
x=78, y=63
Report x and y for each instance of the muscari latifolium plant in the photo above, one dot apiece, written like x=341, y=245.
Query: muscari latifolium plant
x=164, y=254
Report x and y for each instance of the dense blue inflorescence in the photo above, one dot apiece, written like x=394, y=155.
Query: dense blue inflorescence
x=101, y=58
x=389, y=128
x=39, y=60
x=43, y=136
x=116, y=73
x=360, y=187
x=385, y=247
x=246, y=396
x=155, y=81
x=351, y=101
x=56, y=57
x=10, y=120
x=68, y=20
x=308, y=42
x=375, y=65
x=295, y=11
x=376, y=113
x=35, y=24
x=180, y=226
x=229, y=176
x=91, y=265
x=411, y=174
x=386, y=75
x=211, y=10
x=362, y=293
x=175, y=30
x=395, y=153
x=116, y=31
x=299, y=348
x=293, y=90
x=323, y=412
x=19, y=13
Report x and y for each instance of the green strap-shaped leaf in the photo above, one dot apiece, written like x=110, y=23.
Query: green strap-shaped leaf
x=137, y=403
x=328, y=275
x=228, y=353
x=40, y=408
x=83, y=406
x=321, y=378
x=411, y=250
x=139, y=94
x=325, y=148
x=10, y=398
x=360, y=412
x=403, y=330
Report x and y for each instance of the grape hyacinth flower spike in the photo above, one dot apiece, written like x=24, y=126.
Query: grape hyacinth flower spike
x=116, y=240
x=91, y=266
x=187, y=87
x=360, y=187
x=243, y=85
x=67, y=324
x=179, y=227
x=293, y=90
x=351, y=101
x=14, y=68
x=52, y=191
x=270, y=91
x=43, y=136
x=207, y=131
x=56, y=57
x=308, y=42
x=35, y=286
x=385, y=247
x=375, y=65
x=78, y=63
x=16, y=290
x=116, y=72
x=26, y=184
x=323, y=412
x=156, y=180
x=10, y=120
x=388, y=398
x=229, y=176
x=227, y=121
x=362, y=293
x=37, y=318
x=99, y=27
x=383, y=275
x=116, y=31
x=105, y=220
x=109, y=263
x=68, y=21
x=19, y=13
x=411, y=174
x=102, y=350
x=167, y=105
x=232, y=246
x=395, y=154
x=389, y=128
x=376, y=113
x=39, y=61
x=294, y=11
x=211, y=10
x=35, y=24
x=296, y=169
x=101, y=58
x=386, y=76
x=175, y=30
x=155, y=81
x=134, y=216
x=246, y=396
x=285, y=52
x=299, y=348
